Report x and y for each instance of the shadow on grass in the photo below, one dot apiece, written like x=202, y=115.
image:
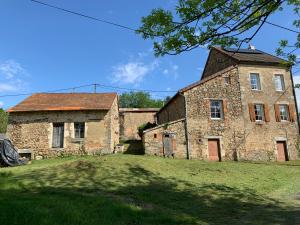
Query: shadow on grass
x=134, y=147
x=78, y=193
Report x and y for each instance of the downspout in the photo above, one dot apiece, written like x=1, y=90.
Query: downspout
x=186, y=127
x=294, y=93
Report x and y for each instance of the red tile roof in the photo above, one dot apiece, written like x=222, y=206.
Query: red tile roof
x=65, y=102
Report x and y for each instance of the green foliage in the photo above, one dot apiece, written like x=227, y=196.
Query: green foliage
x=139, y=100
x=3, y=121
x=145, y=127
x=126, y=189
x=197, y=23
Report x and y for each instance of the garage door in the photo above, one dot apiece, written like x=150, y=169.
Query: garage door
x=214, y=150
x=281, y=151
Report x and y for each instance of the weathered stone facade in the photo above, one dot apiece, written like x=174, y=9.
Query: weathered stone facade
x=132, y=118
x=239, y=138
x=34, y=131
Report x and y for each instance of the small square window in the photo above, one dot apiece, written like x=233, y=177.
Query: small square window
x=279, y=82
x=283, y=110
x=216, y=109
x=226, y=80
x=259, y=112
x=255, y=81
x=155, y=135
x=79, y=128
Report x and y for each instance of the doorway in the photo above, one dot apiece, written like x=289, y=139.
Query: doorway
x=214, y=151
x=282, y=154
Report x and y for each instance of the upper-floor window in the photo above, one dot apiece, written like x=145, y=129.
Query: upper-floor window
x=259, y=112
x=216, y=109
x=255, y=81
x=279, y=82
x=284, y=113
x=79, y=128
x=226, y=80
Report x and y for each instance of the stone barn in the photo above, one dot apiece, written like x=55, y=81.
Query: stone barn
x=132, y=118
x=243, y=108
x=52, y=124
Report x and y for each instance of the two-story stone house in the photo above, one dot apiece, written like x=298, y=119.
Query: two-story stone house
x=243, y=108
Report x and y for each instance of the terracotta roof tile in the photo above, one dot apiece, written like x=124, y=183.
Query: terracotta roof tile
x=65, y=102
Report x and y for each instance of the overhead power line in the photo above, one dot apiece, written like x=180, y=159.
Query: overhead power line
x=73, y=89
x=127, y=27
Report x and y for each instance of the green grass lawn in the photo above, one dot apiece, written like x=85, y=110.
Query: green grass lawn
x=128, y=189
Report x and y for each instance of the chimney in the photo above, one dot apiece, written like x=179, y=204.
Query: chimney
x=251, y=47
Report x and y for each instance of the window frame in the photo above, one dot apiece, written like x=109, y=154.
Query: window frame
x=287, y=112
x=282, y=83
x=262, y=107
x=60, y=126
x=258, y=83
x=215, y=107
x=80, y=131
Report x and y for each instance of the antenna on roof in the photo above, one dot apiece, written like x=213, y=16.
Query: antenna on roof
x=251, y=47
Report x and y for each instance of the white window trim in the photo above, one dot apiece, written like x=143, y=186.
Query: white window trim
x=282, y=82
x=259, y=77
x=222, y=113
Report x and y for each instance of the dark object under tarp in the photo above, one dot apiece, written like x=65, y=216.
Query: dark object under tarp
x=9, y=156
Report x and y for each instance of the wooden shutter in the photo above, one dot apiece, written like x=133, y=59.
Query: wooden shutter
x=251, y=112
x=292, y=112
x=277, y=113
x=267, y=113
x=225, y=108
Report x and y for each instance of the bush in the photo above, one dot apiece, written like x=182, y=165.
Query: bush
x=145, y=126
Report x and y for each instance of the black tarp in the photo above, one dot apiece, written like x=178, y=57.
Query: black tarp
x=9, y=155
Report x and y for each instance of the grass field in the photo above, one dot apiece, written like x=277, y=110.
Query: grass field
x=128, y=189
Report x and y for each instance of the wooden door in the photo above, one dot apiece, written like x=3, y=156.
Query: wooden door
x=169, y=144
x=281, y=151
x=214, y=150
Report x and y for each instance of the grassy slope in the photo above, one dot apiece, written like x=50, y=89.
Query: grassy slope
x=126, y=189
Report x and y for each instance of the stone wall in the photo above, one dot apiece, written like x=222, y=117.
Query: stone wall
x=216, y=62
x=261, y=138
x=174, y=110
x=34, y=130
x=131, y=119
x=201, y=127
x=153, y=139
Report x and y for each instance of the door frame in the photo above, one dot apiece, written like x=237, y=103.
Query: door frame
x=219, y=148
x=286, y=153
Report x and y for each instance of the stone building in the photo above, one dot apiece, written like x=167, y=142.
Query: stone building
x=132, y=118
x=56, y=124
x=242, y=108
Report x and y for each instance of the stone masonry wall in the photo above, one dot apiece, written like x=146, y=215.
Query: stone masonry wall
x=153, y=139
x=130, y=121
x=174, y=110
x=261, y=138
x=33, y=130
x=201, y=127
x=216, y=62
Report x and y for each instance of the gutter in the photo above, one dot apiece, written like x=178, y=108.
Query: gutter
x=186, y=127
x=295, y=98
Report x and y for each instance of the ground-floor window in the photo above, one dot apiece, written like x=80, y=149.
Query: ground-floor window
x=58, y=135
x=259, y=112
x=79, y=128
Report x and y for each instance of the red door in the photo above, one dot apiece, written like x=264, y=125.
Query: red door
x=214, y=150
x=281, y=151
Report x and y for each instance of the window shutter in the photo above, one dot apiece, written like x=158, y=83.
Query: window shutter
x=251, y=112
x=267, y=113
x=292, y=112
x=225, y=108
x=277, y=113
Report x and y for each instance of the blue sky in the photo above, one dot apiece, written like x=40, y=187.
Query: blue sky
x=42, y=49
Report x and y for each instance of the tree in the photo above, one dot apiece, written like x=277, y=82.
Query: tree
x=207, y=22
x=139, y=100
x=3, y=120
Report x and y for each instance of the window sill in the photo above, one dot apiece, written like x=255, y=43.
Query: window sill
x=57, y=149
x=77, y=140
x=256, y=90
x=259, y=122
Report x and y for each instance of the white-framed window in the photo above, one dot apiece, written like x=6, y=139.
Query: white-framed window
x=259, y=112
x=216, y=109
x=58, y=135
x=79, y=129
x=284, y=113
x=255, y=81
x=279, y=82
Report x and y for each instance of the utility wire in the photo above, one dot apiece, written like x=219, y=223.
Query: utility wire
x=90, y=85
x=86, y=16
x=127, y=27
